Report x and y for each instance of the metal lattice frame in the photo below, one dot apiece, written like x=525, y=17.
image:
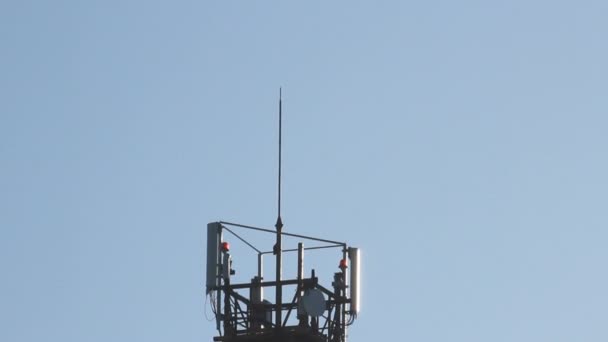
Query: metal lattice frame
x=244, y=320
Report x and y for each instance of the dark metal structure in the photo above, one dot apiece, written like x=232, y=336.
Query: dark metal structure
x=316, y=313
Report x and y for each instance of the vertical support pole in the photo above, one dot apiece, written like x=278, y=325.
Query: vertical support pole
x=300, y=268
x=279, y=286
x=343, y=323
x=260, y=265
x=256, y=306
x=337, y=326
x=228, y=329
x=302, y=316
x=260, y=276
x=218, y=314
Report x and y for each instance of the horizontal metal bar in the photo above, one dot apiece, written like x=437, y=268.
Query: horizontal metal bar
x=308, y=282
x=263, y=284
x=259, y=335
x=271, y=307
x=306, y=248
x=283, y=233
x=248, y=227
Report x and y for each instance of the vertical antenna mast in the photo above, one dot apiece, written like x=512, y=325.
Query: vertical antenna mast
x=279, y=227
x=280, y=128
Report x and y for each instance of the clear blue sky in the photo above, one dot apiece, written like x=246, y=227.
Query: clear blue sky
x=461, y=144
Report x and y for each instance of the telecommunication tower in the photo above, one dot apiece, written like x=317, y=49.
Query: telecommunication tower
x=317, y=313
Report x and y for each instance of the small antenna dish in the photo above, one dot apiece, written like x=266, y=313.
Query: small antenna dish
x=314, y=303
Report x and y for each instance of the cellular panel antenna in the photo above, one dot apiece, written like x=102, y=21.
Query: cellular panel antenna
x=316, y=313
